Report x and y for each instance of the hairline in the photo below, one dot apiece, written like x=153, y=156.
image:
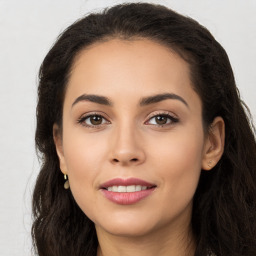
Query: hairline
x=172, y=47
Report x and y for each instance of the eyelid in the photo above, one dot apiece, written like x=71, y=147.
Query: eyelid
x=161, y=112
x=170, y=115
x=82, y=118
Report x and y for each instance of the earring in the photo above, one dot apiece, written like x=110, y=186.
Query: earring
x=210, y=163
x=66, y=184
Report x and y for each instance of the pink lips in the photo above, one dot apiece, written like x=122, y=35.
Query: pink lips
x=126, y=198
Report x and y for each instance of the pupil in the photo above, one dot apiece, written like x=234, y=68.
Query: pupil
x=161, y=119
x=96, y=120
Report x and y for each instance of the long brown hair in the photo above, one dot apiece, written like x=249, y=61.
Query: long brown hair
x=224, y=209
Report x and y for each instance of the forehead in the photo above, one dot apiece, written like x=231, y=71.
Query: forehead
x=138, y=67
x=144, y=52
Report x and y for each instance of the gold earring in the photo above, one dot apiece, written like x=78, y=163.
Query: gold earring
x=66, y=184
x=210, y=163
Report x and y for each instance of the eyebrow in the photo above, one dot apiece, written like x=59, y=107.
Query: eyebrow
x=143, y=102
x=160, y=97
x=93, y=98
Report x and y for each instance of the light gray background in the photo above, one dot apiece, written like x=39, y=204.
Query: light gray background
x=27, y=30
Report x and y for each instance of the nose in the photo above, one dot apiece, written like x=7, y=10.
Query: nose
x=127, y=147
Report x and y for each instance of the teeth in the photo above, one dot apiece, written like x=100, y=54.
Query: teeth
x=124, y=189
x=130, y=188
x=138, y=188
x=121, y=189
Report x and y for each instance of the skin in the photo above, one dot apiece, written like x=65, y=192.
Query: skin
x=130, y=143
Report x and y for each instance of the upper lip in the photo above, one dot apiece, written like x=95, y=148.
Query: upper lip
x=126, y=182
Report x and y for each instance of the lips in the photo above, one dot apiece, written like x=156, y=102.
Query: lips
x=127, y=191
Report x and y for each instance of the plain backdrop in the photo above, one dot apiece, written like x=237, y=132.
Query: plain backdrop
x=28, y=28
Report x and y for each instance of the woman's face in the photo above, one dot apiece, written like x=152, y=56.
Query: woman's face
x=132, y=121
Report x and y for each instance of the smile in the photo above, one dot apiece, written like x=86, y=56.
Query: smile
x=126, y=191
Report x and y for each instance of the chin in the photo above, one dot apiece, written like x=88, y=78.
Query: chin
x=126, y=228
x=131, y=231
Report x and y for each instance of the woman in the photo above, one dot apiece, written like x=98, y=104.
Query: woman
x=140, y=119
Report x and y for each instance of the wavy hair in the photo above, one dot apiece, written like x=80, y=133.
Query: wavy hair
x=224, y=207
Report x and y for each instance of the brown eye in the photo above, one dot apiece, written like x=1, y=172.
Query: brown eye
x=95, y=120
x=161, y=120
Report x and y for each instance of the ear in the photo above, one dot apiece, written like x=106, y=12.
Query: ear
x=214, y=144
x=57, y=137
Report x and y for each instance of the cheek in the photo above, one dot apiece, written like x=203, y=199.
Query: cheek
x=83, y=156
x=178, y=161
x=83, y=165
x=181, y=147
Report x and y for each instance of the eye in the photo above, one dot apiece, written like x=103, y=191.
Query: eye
x=162, y=119
x=92, y=121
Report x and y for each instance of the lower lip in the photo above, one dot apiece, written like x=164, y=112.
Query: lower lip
x=127, y=198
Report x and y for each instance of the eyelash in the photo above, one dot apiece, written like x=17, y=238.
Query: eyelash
x=172, y=120
x=84, y=118
x=171, y=117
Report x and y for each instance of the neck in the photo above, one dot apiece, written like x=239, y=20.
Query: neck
x=162, y=243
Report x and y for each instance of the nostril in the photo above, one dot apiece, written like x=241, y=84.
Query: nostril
x=125, y=161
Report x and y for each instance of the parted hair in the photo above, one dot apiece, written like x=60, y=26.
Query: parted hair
x=224, y=206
